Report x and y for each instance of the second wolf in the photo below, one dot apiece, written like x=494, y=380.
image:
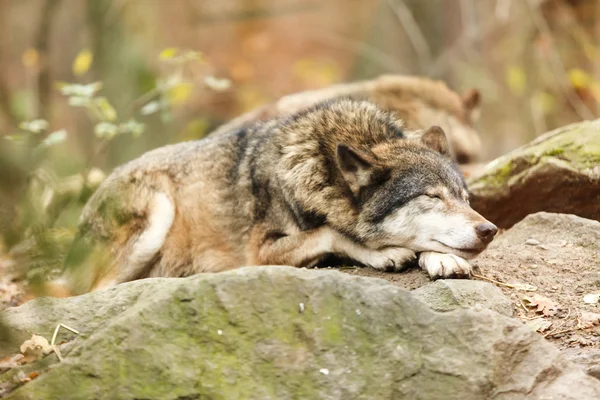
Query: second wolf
x=338, y=178
x=420, y=102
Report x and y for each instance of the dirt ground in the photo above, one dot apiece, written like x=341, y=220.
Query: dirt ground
x=545, y=268
x=546, y=265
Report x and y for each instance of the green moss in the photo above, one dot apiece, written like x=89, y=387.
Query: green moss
x=578, y=145
x=554, y=152
x=497, y=176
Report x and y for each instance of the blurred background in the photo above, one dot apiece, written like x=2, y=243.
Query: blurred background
x=86, y=85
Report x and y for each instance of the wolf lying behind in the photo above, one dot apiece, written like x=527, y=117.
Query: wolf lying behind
x=339, y=178
x=420, y=102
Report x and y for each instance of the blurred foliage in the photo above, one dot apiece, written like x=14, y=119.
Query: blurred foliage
x=86, y=86
x=39, y=206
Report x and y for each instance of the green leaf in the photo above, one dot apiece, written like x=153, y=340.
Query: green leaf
x=150, y=108
x=74, y=89
x=133, y=127
x=106, y=109
x=216, y=84
x=78, y=101
x=516, y=79
x=179, y=93
x=55, y=138
x=106, y=130
x=35, y=126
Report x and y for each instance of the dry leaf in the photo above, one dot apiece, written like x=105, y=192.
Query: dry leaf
x=591, y=298
x=588, y=320
x=36, y=347
x=539, y=324
x=543, y=304
x=11, y=362
x=524, y=287
x=33, y=375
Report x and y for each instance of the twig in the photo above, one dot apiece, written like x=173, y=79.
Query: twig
x=485, y=278
x=42, y=44
x=556, y=64
x=523, y=305
x=53, y=342
x=416, y=37
x=554, y=333
x=525, y=287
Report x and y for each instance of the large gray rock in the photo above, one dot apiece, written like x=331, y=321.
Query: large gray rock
x=558, y=172
x=283, y=333
x=450, y=294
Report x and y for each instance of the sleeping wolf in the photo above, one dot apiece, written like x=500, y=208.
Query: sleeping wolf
x=338, y=178
x=420, y=102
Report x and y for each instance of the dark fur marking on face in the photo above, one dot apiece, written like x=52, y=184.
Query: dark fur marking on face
x=432, y=170
x=378, y=178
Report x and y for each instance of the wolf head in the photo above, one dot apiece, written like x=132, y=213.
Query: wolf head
x=411, y=194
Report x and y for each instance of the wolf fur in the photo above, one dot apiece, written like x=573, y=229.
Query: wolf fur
x=420, y=102
x=339, y=178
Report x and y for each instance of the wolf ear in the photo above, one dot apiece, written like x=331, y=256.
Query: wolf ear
x=356, y=168
x=472, y=102
x=435, y=139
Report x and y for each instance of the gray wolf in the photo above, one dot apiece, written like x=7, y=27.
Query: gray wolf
x=338, y=178
x=420, y=102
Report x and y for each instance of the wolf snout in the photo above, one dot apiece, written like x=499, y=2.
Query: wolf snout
x=486, y=231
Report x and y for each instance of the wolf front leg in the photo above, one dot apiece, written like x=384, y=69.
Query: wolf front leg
x=439, y=265
x=307, y=248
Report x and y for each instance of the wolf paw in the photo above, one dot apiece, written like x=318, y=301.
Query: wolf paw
x=440, y=265
x=392, y=259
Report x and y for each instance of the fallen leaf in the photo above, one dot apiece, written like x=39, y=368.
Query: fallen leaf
x=543, y=304
x=33, y=375
x=11, y=362
x=36, y=347
x=578, y=339
x=588, y=320
x=524, y=287
x=591, y=298
x=539, y=324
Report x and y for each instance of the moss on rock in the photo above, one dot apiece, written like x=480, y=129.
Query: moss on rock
x=244, y=334
x=538, y=177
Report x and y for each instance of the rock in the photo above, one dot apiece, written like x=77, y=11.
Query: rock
x=588, y=358
x=241, y=334
x=451, y=294
x=557, y=172
x=552, y=229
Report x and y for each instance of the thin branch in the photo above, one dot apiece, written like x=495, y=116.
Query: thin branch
x=373, y=54
x=413, y=31
x=5, y=107
x=556, y=64
x=42, y=44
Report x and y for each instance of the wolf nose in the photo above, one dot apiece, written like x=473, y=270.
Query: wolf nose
x=486, y=231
